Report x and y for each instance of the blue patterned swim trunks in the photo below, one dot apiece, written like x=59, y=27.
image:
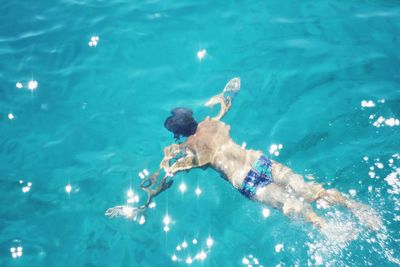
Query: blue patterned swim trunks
x=259, y=176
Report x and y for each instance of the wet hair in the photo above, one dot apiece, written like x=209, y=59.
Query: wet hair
x=181, y=122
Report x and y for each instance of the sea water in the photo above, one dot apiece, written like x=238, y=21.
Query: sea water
x=85, y=87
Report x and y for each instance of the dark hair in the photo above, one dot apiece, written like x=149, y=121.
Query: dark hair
x=181, y=123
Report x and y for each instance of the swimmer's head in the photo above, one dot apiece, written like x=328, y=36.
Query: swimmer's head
x=181, y=122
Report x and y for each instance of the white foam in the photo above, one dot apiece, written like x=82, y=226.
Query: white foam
x=318, y=259
x=393, y=180
x=382, y=121
x=278, y=248
x=352, y=192
x=367, y=104
x=379, y=165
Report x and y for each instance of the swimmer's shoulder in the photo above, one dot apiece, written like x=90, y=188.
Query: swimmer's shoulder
x=211, y=122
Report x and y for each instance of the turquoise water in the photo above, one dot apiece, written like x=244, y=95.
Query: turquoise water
x=96, y=118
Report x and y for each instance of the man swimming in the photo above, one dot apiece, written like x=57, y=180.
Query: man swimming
x=256, y=176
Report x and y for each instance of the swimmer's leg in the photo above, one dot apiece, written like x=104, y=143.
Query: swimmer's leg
x=285, y=177
x=364, y=213
x=276, y=196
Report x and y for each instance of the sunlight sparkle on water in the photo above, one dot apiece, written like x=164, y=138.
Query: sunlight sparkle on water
x=209, y=242
x=16, y=252
x=166, y=220
x=129, y=193
x=201, y=255
x=275, y=148
x=27, y=187
x=93, y=41
x=182, y=187
x=18, y=85
x=10, y=116
x=201, y=54
x=198, y=191
x=265, y=212
x=278, y=248
x=68, y=188
x=32, y=85
x=142, y=220
x=189, y=260
x=250, y=260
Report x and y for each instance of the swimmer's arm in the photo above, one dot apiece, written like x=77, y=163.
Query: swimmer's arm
x=153, y=187
x=225, y=98
x=186, y=162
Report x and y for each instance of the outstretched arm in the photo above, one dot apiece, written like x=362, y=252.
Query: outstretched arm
x=183, y=160
x=225, y=98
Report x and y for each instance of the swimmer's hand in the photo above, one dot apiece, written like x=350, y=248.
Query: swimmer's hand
x=124, y=211
x=366, y=215
x=137, y=213
x=233, y=86
x=225, y=98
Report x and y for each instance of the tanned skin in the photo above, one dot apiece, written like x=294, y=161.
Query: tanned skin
x=212, y=147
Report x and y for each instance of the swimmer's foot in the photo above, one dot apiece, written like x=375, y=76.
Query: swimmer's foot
x=366, y=215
